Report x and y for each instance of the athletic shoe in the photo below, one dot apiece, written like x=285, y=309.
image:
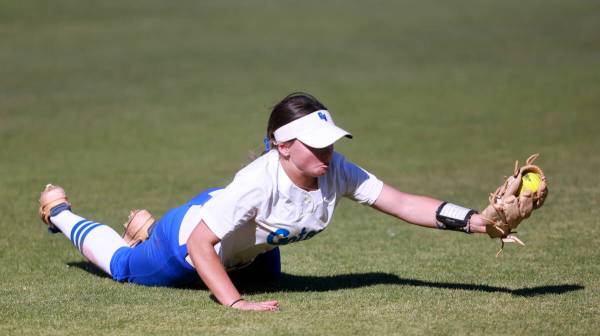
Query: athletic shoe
x=53, y=200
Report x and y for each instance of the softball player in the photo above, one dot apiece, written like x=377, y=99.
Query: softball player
x=287, y=195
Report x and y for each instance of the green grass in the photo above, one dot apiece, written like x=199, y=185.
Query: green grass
x=134, y=104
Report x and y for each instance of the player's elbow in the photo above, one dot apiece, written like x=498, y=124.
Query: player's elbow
x=201, y=239
x=393, y=202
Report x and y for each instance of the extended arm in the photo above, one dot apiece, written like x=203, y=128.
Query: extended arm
x=201, y=248
x=415, y=209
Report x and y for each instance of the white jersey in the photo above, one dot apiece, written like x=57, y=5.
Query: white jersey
x=262, y=208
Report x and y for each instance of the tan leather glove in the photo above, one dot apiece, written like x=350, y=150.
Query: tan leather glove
x=508, y=207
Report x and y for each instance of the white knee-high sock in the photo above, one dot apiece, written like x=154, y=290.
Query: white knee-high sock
x=97, y=242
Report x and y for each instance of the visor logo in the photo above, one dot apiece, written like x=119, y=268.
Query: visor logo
x=322, y=116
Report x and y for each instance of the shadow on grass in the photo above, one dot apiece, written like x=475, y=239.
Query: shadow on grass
x=291, y=282
x=303, y=283
x=90, y=268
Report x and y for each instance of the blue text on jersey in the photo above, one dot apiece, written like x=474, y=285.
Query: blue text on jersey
x=282, y=236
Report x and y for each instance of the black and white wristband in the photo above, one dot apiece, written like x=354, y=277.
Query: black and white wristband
x=454, y=217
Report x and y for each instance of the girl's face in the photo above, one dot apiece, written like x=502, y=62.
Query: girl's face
x=309, y=161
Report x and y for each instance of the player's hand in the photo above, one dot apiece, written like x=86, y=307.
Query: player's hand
x=477, y=224
x=258, y=306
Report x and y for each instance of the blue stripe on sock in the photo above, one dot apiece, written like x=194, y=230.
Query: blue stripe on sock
x=75, y=227
x=81, y=229
x=87, y=230
x=59, y=208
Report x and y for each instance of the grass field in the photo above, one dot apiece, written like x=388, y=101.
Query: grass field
x=134, y=104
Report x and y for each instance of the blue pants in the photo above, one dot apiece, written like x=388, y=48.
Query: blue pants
x=160, y=260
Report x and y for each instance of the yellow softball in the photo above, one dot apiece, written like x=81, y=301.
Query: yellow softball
x=531, y=182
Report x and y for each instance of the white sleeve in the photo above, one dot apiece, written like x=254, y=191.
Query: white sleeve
x=358, y=184
x=235, y=205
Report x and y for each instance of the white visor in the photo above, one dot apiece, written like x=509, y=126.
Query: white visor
x=316, y=130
